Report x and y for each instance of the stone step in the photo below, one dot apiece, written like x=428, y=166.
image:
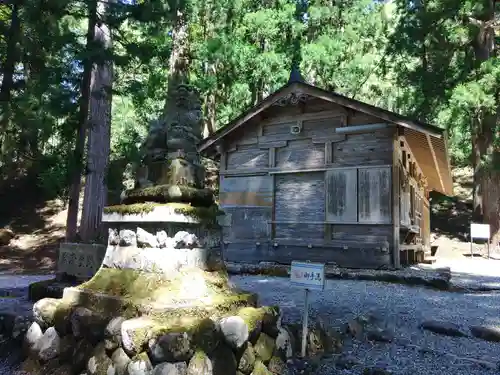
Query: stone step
x=51, y=288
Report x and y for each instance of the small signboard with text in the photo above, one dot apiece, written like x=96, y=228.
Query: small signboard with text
x=480, y=231
x=308, y=275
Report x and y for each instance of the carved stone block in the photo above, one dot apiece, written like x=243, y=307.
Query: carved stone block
x=182, y=172
x=80, y=260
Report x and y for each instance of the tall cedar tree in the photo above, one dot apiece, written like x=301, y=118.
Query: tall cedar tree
x=99, y=129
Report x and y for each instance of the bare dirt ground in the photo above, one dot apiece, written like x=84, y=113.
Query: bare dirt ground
x=38, y=229
x=451, y=218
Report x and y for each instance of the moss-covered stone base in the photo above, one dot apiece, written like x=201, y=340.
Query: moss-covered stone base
x=193, y=293
x=206, y=216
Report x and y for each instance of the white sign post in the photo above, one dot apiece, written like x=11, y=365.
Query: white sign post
x=310, y=276
x=479, y=231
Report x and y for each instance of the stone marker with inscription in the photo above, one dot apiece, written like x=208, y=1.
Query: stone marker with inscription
x=79, y=260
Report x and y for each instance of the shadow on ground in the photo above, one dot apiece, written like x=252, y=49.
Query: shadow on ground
x=37, y=260
x=450, y=216
x=36, y=224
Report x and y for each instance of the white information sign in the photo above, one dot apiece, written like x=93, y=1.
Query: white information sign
x=308, y=275
x=480, y=231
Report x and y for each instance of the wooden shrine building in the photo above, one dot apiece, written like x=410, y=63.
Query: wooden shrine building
x=309, y=174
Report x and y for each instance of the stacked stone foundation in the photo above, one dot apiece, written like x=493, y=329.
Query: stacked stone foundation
x=160, y=304
x=72, y=339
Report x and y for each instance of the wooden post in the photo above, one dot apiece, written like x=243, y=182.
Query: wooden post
x=395, y=203
x=305, y=324
x=272, y=164
x=272, y=157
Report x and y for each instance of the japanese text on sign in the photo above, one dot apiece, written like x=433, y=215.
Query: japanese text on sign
x=308, y=275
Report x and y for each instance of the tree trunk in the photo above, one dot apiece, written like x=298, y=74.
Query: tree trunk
x=179, y=59
x=8, y=70
x=77, y=167
x=99, y=133
x=210, y=118
x=485, y=155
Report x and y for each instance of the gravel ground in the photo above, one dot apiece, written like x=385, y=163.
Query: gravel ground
x=402, y=309
x=14, y=299
x=14, y=292
x=399, y=307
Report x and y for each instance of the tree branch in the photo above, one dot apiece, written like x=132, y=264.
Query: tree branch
x=490, y=24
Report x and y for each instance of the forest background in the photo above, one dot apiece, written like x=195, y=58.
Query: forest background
x=82, y=80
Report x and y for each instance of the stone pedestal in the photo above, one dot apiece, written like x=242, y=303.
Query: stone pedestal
x=161, y=262
x=161, y=299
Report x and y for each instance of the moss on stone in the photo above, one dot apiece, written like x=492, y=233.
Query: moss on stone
x=140, y=292
x=170, y=193
x=200, y=363
x=253, y=317
x=205, y=215
x=203, y=332
x=62, y=317
x=132, y=209
x=143, y=357
x=206, y=335
x=139, y=285
x=264, y=347
x=247, y=359
x=124, y=283
x=260, y=369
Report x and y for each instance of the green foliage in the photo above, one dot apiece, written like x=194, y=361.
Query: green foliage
x=415, y=58
x=437, y=48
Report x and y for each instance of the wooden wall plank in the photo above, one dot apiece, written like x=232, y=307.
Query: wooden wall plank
x=300, y=154
x=272, y=157
x=245, y=191
x=288, y=114
x=302, y=231
x=396, y=200
x=248, y=223
x=223, y=161
x=245, y=157
x=299, y=198
x=361, y=257
x=365, y=149
x=374, y=197
x=322, y=128
x=341, y=192
x=280, y=129
x=426, y=225
x=369, y=233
